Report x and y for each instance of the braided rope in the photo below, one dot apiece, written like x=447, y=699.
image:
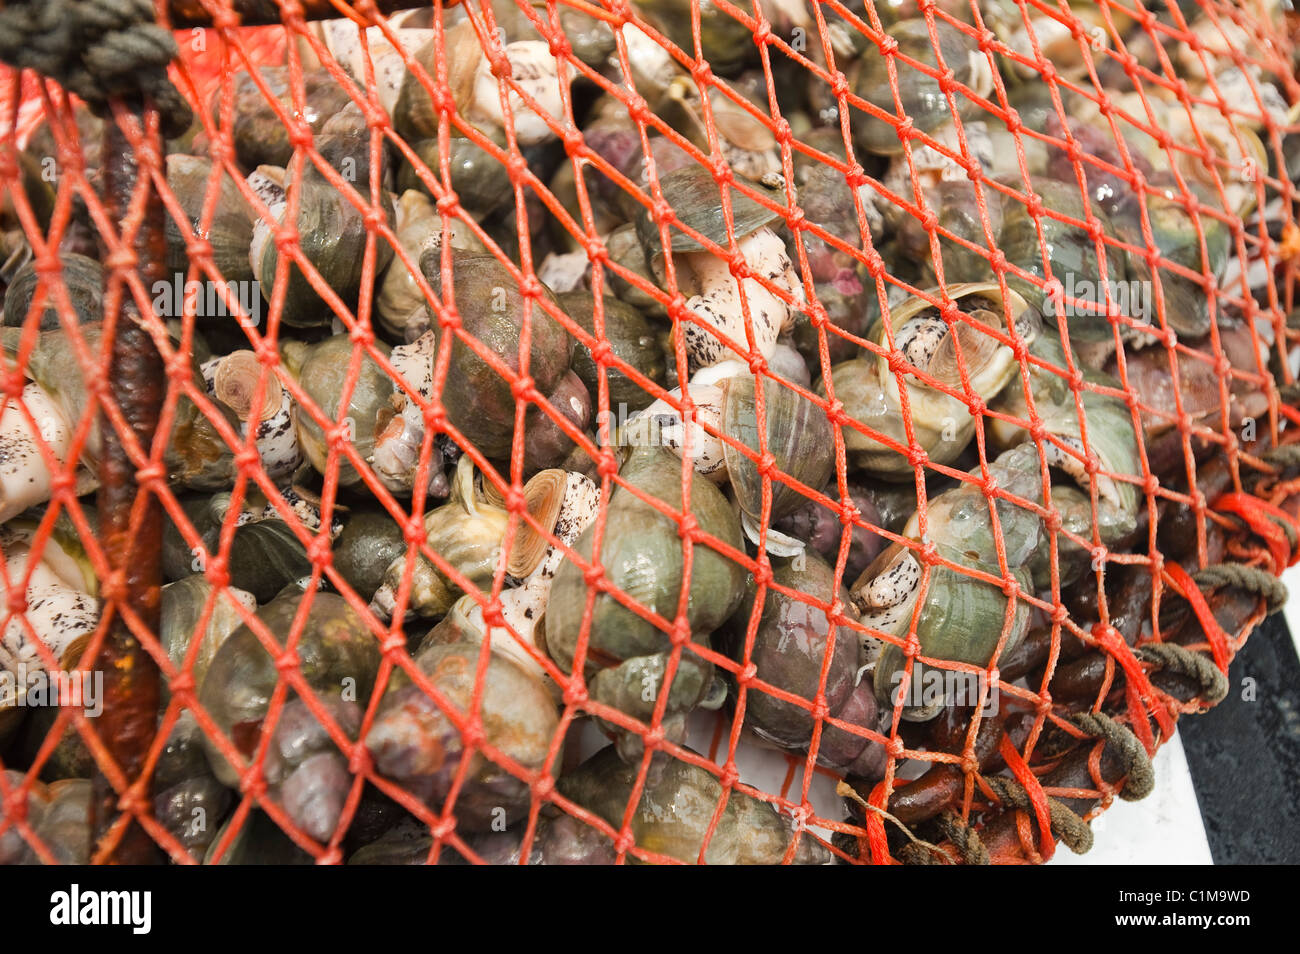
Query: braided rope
x=917, y=854
x=1072, y=830
x=1140, y=776
x=1184, y=662
x=956, y=832
x=963, y=837
x=99, y=50
x=1285, y=456
x=1247, y=578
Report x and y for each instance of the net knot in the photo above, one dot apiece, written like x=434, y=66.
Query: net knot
x=183, y=685
x=99, y=50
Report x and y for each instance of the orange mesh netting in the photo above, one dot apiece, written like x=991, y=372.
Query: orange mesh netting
x=663, y=431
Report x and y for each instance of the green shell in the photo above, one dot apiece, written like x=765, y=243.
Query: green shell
x=961, y=620
x=480, y=180
x=322, y=369
x=183, y=605
x=727, y=44
x=797, y=434
x=676, y=808
x=1070, y=251
x=641, y=554
x=922, y=99
x=265, y=555
x=1175, y=236
x=82, y=277
x=631, y=338
x=370, y=541
x=1111, y=435
x=332, y=235
x=696, y=200
x=260, y=841
x=230, y=232
x=335, y=645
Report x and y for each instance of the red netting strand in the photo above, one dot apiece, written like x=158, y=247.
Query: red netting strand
x=599, y=431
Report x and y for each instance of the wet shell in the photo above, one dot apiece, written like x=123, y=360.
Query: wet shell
x=261, y=137
x=265, y=554
x=677, y=807
x=641, y=553
x=797, y=434
x=332, y=235
x=479, y=401
x=339, y=659
x=81, y=277
x=922, y=99
x=322, y=369
x=632, y=340
x=415, y=743
x=697, y=204
x=230, y=228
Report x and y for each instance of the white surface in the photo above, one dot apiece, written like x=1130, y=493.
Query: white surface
x=1291, y=578
x=1164, y=828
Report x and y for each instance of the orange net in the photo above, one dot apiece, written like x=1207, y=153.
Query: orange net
x=664, y=431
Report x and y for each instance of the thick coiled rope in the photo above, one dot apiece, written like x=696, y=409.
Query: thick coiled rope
x=1072, y=830
x=98, y=49
x=1140, y=777
x=1247, y=578
x=1198, y=667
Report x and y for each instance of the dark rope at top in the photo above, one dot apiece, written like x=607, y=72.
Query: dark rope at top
x=99, y=50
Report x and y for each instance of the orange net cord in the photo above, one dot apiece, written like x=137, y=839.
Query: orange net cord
x=1240, y=503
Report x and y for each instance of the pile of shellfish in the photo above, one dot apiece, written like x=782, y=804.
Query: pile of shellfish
x=625, y=392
